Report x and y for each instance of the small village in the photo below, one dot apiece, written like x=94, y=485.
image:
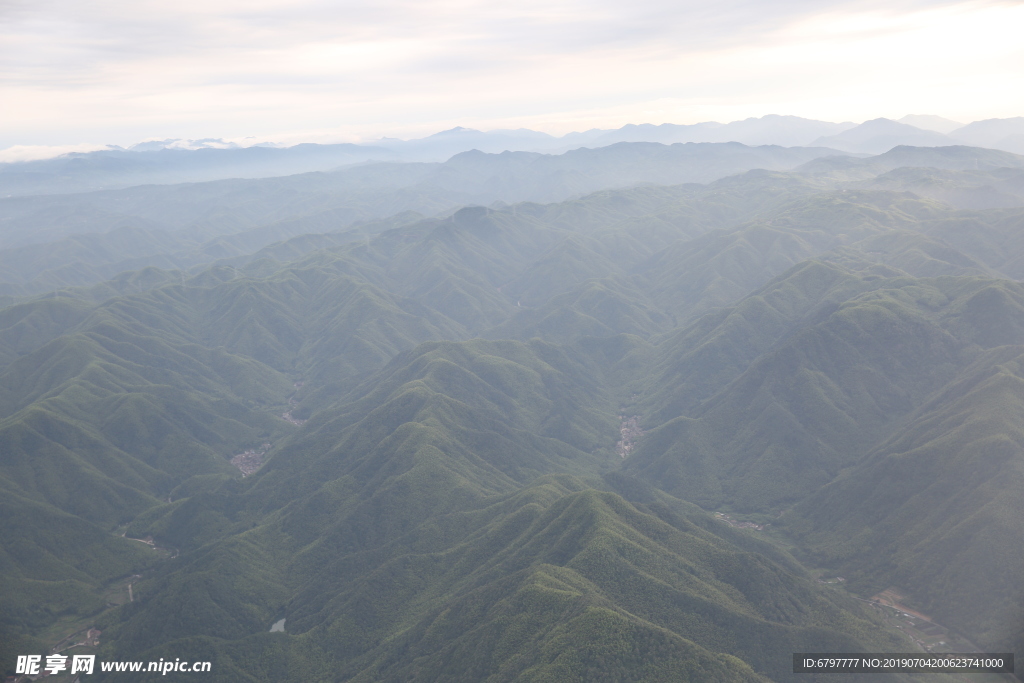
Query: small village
x=630, y=432
x=251, y=460
x=721, y=516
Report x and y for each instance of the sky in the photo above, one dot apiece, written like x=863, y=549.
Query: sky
x=76, y=75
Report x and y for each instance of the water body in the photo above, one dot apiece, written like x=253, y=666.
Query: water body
x=278, y=626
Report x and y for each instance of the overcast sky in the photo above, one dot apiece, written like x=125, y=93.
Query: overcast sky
x=121, y=71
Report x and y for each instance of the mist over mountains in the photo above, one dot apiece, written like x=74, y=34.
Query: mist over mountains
x=67, y=240
x=176, y=161
x=648, y=408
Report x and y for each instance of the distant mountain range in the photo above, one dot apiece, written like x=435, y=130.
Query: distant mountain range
x=78, y=239
x=880, y=135
x=177, y=161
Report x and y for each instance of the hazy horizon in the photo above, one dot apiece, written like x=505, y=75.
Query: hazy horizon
x=121, y=73
x=15, y=153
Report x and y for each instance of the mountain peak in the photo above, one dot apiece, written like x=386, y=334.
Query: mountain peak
x=457, y=130
x=931, y=122
x=880, y=135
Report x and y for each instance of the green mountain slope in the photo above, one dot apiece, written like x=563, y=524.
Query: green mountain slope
x=825, y=393
x=420, y=503
x=936, y=507
x=602, y=307
x=398, y=516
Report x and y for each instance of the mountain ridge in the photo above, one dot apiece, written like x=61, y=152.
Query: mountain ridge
x=490, y=442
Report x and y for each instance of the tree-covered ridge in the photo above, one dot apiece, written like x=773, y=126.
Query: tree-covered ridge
x=439, y=404
x=53, y=241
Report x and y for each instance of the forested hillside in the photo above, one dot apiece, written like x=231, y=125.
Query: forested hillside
x=51, y=241
x=619, y=414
